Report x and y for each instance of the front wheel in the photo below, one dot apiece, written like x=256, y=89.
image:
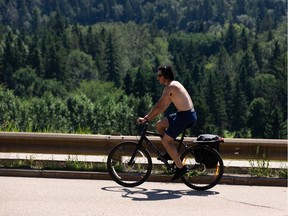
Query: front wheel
x=127, y=172
x=205, y=167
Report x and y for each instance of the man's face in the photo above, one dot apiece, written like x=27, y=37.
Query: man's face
x=160, y=76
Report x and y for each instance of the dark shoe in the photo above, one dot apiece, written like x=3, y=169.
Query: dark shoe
x=166, y=156
x=179, y=173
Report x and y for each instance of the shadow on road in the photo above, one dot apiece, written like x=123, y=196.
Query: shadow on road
x=142, y=194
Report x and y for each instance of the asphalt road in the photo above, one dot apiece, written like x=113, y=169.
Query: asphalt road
x=47, y=196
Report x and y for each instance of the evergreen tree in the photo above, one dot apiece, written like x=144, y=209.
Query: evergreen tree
x=243, y=40
x=23, y=13
x=216, y=103
x=230, y=40
x=202, y=109
x=248, y=70
x=259, y=55
x=53, y=46
x=90, y=41
x=112, y=61
x=239, y=116
x=139, y=86
x=35, y=56
x=57, y=24
x=100, y=53
x=36, y=22
x=222, y=12
x=229, y=94
x=8, y=61
x=206, y=10
x=239, y=8
x=275, y=127
x=55, y=63
x=20, y=52
x=128, y=84
x=258, y=117
x=128, y=11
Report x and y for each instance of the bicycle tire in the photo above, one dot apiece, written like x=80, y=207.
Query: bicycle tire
x=123, y=173
x=200, y=177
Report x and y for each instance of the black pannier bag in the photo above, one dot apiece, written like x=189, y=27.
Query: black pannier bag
x=202, y=156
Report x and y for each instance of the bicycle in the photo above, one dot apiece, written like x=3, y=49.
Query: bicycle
x=129, y=163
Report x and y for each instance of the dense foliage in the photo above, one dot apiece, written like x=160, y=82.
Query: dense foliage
x=90, y=66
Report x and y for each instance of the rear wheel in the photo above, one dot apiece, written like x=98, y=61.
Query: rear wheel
x=125, y=173
x=205, y=167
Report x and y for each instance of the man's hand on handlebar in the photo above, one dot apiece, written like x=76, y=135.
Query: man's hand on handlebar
x=142, y=120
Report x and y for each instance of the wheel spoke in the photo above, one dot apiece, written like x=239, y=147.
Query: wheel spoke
x=126, y=172
x=203, y=174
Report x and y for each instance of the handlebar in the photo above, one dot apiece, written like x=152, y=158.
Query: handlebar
x=145, y=131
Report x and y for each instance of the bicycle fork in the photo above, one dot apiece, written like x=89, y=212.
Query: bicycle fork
x=131, y=161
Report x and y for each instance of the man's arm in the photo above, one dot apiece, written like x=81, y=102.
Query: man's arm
x=161, y=105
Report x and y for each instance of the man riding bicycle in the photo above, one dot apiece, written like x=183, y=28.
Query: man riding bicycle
x=171, y=126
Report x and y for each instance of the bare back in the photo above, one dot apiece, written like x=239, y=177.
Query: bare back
x=179, y=96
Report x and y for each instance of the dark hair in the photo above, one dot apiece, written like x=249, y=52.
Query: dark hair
x=167, y=71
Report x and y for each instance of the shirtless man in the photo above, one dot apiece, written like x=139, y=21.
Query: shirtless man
x=171, y=126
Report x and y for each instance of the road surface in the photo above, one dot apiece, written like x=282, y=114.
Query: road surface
x=63, y=197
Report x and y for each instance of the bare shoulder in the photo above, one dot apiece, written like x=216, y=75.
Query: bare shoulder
x=173, y=88
x=174, y=85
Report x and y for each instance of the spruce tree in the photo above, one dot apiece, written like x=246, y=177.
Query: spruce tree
x=112, y=61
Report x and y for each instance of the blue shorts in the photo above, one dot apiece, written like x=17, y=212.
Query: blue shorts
x=179, y=121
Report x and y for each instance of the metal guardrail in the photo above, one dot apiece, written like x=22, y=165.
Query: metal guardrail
x=80, y=144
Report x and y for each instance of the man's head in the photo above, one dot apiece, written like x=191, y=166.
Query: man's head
x=166, y=71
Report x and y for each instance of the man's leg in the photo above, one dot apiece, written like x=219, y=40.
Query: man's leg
x=167, y=142
x=180, y=170
x=161, y=125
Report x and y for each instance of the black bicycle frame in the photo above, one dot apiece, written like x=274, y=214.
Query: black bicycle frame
x=153, y=147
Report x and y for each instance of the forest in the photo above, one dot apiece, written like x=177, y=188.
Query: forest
x=89, y=66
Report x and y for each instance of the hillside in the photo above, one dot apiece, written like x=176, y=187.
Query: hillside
x=90, y=66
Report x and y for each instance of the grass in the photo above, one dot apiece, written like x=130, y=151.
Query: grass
x=258, y=168
x=282, y=172
x=72, y=164
x=261, y=167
